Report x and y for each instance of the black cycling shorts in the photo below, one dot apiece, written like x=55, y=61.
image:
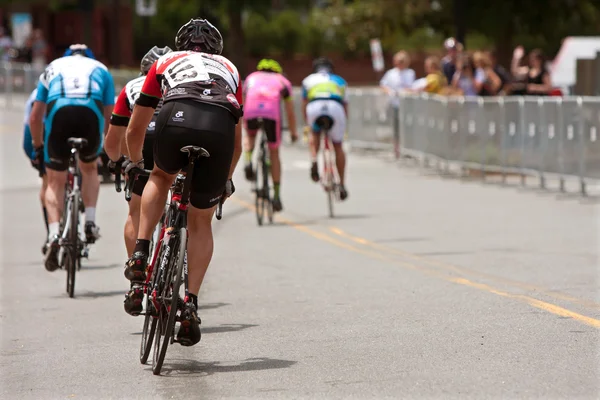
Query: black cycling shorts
x=72, y=121
x=188, y=123
x=148, y=154
x=270, y=126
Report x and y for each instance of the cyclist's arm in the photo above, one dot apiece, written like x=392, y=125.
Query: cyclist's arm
x=108, y=97
x=36, y=119
x=113, y=143
x=142, y=115
x=237, y=147
x=291, y=116
x=288, y=99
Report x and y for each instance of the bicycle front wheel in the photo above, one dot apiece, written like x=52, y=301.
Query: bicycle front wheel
x=170, y=300
x=73, y=245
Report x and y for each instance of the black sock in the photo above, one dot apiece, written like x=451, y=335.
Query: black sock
x=142, y=245
x=194, y=299
x=46, y=218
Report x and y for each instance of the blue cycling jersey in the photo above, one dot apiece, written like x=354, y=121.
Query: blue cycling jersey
x=75, y=81
x=76, y=78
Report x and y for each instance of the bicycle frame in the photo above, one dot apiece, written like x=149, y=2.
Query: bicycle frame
x=328, y=168
x=71, y=191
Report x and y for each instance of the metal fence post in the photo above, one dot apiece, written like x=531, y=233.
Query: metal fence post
x=503, y=140
x=484, y=138
x=581, y=135
x=523, y=135
x=542, y=138
x=561, y=148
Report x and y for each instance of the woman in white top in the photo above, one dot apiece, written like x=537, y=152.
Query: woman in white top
x=399, y=78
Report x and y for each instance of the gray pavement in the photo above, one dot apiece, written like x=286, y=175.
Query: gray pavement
x=424, y=287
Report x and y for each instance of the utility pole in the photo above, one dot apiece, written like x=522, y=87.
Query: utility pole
x=460, y=20
x=115, y=53
x=87, y=8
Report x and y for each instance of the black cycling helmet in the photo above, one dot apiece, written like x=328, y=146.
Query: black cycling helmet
x=322, y=63
x=199, y=35
x=151, y=56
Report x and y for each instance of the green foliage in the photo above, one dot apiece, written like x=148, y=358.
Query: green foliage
x=288, y=32
x=259, y=35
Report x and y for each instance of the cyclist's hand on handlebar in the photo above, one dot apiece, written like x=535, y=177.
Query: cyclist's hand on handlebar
x=294, y=137
x=229, y=189
x=130, y=166
x=114, y=167
x=38, y=159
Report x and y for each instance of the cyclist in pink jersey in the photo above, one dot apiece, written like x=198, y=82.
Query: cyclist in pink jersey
x=263, y=90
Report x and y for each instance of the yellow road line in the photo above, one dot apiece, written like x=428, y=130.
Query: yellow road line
x=542, y=305
x=548, y=307
x=466, y=271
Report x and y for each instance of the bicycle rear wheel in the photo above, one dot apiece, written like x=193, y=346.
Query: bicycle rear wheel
x=267, y=201
x=260, y=188
x=73, y=245
x=150, y=324
x=170, y=300
x=150, y=321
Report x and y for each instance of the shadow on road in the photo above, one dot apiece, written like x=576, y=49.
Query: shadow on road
x=211, y=306
x=224, y=328
x=99, y=267
x=175, y=368
x=96, y=295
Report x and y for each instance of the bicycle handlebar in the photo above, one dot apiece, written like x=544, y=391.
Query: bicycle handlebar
x=133, y=175
x=118, y=175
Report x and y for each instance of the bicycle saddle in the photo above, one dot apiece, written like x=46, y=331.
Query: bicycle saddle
x=324, y=122
x=195, y=150
x=77, y=142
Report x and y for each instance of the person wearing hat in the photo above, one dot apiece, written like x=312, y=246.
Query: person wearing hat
x=453, y=49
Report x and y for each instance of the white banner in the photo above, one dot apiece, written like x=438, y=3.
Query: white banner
x=377, y=55
x=145, y=8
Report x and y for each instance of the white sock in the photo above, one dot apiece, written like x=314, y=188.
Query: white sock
x=90, y=214
x=53, y=228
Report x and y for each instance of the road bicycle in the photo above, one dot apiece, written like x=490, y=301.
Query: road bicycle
x=165, y=296
x=262, y=187
x=329, y=178
x=73, y=248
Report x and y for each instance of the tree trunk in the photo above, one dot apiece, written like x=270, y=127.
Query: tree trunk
x=235, y=41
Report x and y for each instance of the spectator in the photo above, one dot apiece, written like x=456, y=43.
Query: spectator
x=395, y=80
x=464, y=77
x=487, y=82
x=399, y=78
x=502, y=73
x=435, y=82
x=453, y=49
x=39, y=49
x=5, y=45
x=535, y=76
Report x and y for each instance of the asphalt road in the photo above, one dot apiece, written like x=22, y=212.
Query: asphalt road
x=422, y=288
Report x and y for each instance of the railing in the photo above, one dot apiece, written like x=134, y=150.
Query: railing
x=531, y=138
x=547, y=138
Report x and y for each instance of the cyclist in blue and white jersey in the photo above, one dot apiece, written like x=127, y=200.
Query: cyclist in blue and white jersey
x=324, y=94
x=30, y=153
x=76, y=95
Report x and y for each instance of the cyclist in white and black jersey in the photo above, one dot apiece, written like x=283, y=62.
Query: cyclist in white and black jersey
x=115, y=146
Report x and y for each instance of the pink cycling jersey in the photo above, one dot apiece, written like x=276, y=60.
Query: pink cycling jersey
x=264, y=92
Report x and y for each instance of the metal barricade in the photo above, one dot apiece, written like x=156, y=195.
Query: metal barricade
x=541, y=137
x=531, y=136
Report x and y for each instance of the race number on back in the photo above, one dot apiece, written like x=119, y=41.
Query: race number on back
x=187, y=68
